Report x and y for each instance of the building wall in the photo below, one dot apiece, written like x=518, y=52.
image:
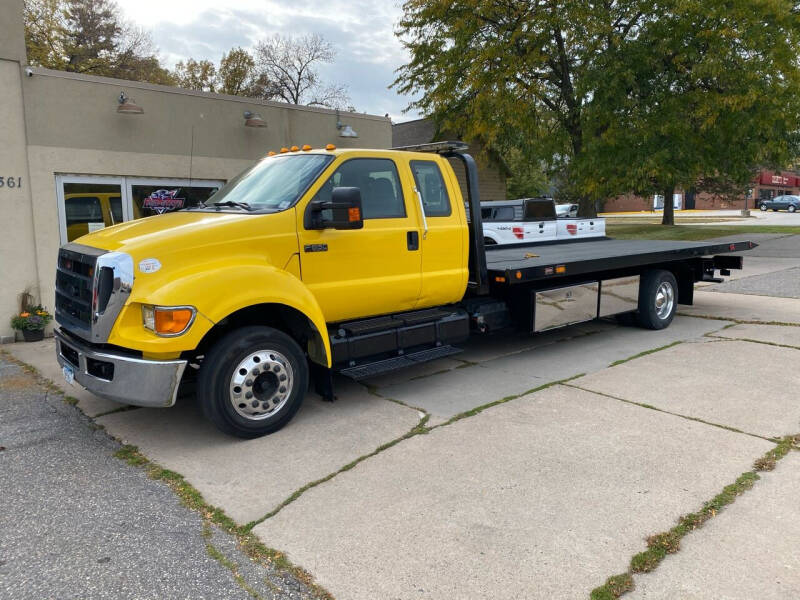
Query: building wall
x=703, y=201
x=56, y=123
x=491, y=180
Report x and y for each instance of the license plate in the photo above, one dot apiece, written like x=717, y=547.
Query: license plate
x=69, y=374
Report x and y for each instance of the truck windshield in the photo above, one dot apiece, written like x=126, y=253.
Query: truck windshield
x=274, y=183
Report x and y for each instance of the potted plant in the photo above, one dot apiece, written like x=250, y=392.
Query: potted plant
x=31, y=322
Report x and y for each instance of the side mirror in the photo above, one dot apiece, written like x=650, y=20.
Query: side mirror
x=343, y=211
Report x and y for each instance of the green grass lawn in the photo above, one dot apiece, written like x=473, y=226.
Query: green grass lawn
x=690, y=232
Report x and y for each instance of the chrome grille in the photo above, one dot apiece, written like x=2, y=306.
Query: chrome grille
x=92, y=286
x=74, y=287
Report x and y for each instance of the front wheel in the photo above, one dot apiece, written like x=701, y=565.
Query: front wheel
x=252, y=382
x=658, y=299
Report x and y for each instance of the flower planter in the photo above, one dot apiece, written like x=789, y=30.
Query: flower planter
x=33, y=335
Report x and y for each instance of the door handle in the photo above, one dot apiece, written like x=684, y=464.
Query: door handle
x=412, y=240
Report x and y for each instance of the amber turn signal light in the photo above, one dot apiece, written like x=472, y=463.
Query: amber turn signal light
x=168, y=320
x=173, y=320
x=354, y=214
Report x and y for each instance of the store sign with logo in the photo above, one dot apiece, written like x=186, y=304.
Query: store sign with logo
x=162, y=201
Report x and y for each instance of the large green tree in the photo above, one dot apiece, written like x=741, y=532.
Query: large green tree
x=513, y=69
x=613, y=95
x=705, y=93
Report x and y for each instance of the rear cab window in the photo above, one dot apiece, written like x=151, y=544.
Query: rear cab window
x=432, y=189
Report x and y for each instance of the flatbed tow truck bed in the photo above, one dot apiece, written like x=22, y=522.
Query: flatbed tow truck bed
x=525, y=263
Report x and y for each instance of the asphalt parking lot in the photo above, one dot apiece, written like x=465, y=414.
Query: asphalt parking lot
x=530, y=467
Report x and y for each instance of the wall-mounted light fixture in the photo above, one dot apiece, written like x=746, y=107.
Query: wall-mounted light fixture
x=345, y=131
x=253, y=119
x=126, y=106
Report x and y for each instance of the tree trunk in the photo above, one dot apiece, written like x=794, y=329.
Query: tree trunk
x=586, y=207
x=669, y=211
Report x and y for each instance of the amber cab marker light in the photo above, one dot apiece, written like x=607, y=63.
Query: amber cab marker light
x=284, y=150
x=271, y=153
x=173, y=321
x=306, y=148
x=330, y=147
x=295, y=148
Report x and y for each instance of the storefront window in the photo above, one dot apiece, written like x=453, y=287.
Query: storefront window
x=157, y=199
x=89, y=207
x=88, y=203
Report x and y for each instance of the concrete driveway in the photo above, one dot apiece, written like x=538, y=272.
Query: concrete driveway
x=529, y=467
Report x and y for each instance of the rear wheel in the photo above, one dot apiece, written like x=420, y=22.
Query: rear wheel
x=658, y=299
x=763, y=207
x=252, y=382
x=792, y=208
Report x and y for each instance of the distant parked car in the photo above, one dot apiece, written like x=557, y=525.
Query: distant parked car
x=790, y=203
x=566, y=211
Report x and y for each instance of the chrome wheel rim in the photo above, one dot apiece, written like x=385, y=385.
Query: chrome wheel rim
x=763, y=207
x=261, y=384
x=665, y=299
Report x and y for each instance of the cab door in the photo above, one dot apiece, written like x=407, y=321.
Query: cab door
x=445, y=269
x=371, y=271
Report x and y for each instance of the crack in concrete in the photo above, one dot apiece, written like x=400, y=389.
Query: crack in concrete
x=766, y=343
x=669, y=412
x=668, y=542
x=739, y=321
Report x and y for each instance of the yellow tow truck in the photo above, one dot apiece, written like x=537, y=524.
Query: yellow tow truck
x=318, y=261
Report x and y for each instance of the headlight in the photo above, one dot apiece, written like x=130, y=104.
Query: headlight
x=168, y=321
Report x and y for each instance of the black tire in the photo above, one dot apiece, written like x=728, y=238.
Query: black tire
x=774, y=210
x=658, y=299
x=763, y=207
x=791, y=208
x=266, y=350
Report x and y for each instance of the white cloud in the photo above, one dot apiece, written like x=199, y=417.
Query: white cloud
x=362, y=32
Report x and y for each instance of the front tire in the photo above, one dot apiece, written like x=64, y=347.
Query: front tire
x=658, y=299
x=252, y=381
x=763, y=208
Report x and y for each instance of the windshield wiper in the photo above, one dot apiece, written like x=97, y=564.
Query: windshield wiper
x=243, y=205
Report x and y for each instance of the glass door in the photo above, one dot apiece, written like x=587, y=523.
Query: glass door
x=88, y=203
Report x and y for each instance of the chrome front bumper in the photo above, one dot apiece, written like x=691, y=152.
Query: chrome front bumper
x=124, y=379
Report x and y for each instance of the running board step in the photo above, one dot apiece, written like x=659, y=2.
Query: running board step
x=398, y=362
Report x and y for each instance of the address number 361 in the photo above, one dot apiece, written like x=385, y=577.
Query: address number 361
x=11, y=182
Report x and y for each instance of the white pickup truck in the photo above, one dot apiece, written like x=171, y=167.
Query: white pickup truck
x=533, y=220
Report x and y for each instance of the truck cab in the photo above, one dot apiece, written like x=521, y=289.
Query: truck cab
x=241, y=293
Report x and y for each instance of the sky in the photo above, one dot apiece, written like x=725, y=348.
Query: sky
x=361, y=31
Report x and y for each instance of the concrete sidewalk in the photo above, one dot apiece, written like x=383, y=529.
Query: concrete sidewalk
x=486, y=475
